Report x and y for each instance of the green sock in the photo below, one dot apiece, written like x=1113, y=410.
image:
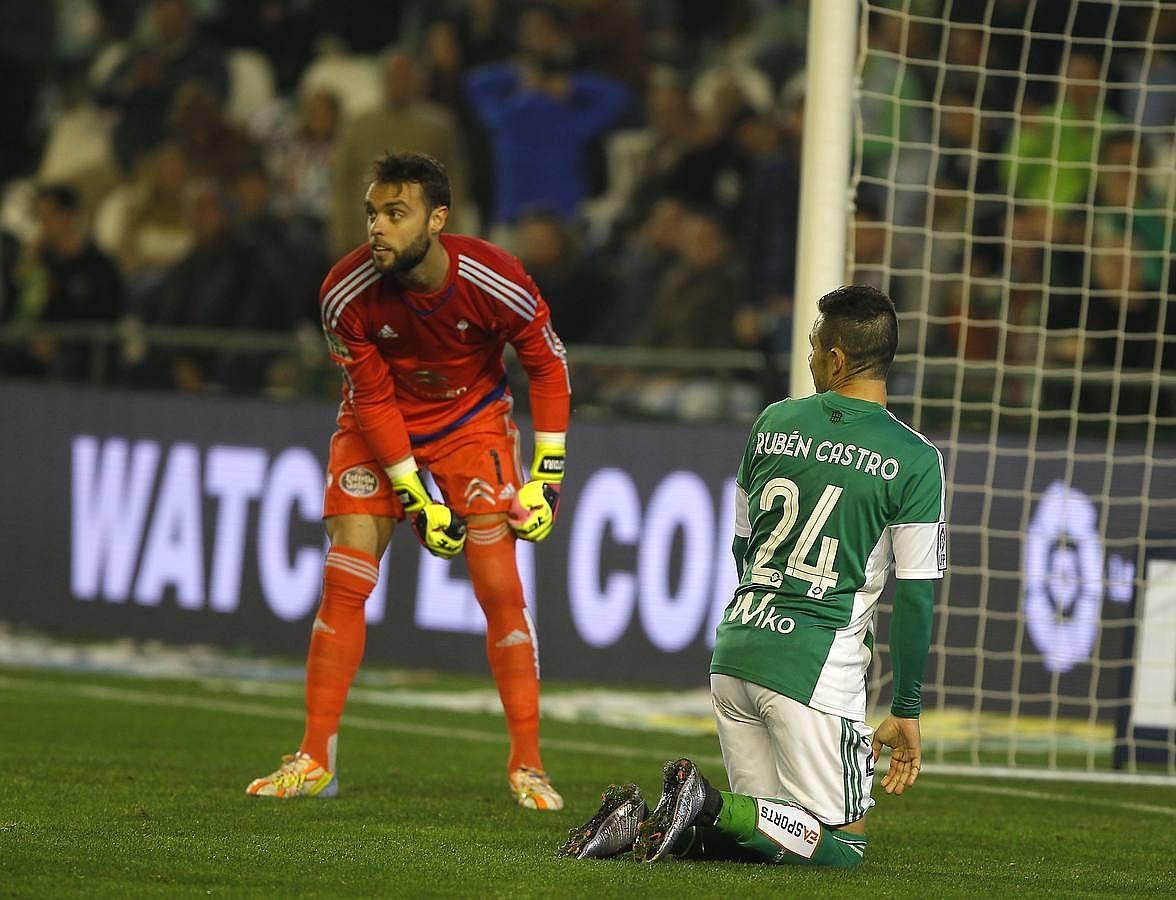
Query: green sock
x=749, y=828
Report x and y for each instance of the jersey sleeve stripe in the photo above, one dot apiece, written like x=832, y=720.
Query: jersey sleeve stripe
x=493, y=290
x=511, y=287
x=938, y=457
x=742, y=517
x=342, y=301
x=357, y=273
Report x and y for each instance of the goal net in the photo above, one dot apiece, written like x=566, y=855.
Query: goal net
x=1014, y=190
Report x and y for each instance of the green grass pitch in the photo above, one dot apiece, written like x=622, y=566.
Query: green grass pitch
x=130, y=787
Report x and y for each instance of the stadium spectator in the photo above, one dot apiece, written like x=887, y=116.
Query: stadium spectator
x=766, y=230
x=213, y=146
x=610, y=37
x=66, y=279
x=643, y=258
x=224, y=282
x=692, y=307
x=1052, y=156
x=797, y=751
x=485, y=29
x=296, y=256
x=969, y=143
x=301, y=156
x=694, y=301
x=711, y=171
x=149, y=231
x=1130, y=214
x=542, y=114
x=896, y=158
x=26, y=40
x=283, y=30
x=1149, y=78
x=445, y=61
x=141, y=88
x=418, y=321
x=641, y=159
x=576, y=288
x=1131, y=268
x=405, y=121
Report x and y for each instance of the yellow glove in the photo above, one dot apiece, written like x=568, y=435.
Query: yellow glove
x=439, y=529
x=548, y=462
x=532, y=513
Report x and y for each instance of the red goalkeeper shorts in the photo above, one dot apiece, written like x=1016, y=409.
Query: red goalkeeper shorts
x=476, y=468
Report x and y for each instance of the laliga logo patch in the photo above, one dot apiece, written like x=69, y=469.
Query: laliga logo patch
x=336, y=346
x=359, y=481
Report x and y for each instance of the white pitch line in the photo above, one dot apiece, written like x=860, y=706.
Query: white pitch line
x=151, y=698
x=1060, y=798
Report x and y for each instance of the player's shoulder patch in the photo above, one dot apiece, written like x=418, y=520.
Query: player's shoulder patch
x=336, y=346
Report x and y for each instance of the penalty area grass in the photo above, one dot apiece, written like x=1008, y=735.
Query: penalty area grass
x=121, y=787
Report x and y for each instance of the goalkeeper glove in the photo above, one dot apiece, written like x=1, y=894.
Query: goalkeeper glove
x=548, y=462
x=440, y=530
x=532, y=514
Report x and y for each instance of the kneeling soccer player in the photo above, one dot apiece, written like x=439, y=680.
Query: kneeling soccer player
x=831, y=488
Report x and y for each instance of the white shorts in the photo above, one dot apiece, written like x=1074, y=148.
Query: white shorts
x=776, y=748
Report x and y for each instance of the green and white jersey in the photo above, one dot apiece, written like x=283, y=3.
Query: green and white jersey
x=829, y=492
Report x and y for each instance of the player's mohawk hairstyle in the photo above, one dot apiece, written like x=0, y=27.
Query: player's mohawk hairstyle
x=861, y=320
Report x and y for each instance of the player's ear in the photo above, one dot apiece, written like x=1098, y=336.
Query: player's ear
x=437, y=219
x=838, y=363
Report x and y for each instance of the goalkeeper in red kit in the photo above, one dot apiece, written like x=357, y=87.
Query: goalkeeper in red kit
x=418, y=321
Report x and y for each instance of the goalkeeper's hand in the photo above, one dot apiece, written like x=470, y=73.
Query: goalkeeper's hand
x=440, y=530
x=532, y=513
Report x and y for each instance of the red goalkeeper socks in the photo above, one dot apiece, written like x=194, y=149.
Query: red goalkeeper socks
x=511, y=646
x=336, y=647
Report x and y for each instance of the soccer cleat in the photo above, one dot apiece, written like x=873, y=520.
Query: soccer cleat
x=683, y=796
x=614, y=827
x=298, y=776
x=532, y=789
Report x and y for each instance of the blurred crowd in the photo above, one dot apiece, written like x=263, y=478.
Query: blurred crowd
x=1016, y=197
x=202, y=163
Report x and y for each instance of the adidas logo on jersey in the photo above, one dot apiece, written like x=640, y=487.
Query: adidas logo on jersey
x=387, y=332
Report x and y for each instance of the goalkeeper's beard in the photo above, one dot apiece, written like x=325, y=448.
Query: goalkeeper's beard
x=410, y=257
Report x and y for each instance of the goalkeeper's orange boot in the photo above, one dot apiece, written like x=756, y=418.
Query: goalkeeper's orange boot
x=298, y=776
x=532, y=789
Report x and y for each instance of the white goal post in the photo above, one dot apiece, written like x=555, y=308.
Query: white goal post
x=1005, y=172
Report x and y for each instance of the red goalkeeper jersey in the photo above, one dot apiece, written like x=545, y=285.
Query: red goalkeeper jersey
x=417, y=366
